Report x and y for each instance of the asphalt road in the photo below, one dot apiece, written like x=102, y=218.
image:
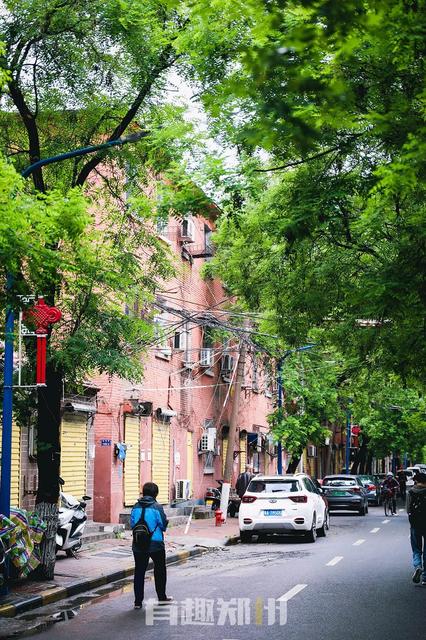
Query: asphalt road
x=354, y=584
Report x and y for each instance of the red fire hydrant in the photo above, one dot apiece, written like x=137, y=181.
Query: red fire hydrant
x=218, y=515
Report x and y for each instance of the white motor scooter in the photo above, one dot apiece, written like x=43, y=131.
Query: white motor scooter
x=71, y=524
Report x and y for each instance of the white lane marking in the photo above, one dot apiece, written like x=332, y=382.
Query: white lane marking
x=358, y=542
x=290, y=594
x=334, y=561
x=385, y=521
x=375, y=530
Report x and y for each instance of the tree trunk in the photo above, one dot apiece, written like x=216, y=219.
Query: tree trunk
x=295, y=459
x=48, y=463
x=369, y=465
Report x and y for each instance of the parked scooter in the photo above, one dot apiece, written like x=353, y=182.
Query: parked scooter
x=213, y=496
x=72, y=522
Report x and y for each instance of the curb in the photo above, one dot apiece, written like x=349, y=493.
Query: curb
x=87, y=584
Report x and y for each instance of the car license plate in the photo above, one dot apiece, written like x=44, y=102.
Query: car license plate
x=338, y=493
x=272, y=512
x=209, y=503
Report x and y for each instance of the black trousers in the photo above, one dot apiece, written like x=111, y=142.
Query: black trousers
x=160, y=576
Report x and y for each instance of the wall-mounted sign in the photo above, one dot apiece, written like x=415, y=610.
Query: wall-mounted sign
x=105, y=442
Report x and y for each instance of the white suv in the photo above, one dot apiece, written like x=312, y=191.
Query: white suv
x=283, y=504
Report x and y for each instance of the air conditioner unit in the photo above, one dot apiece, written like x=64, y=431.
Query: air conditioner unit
x=183, y=489
x=188, y=360
x=206, y=357
x=312, y=451
x=187, y=232
x=227, y=364
x=165, y=415
x=166, y=351
x=208, y=441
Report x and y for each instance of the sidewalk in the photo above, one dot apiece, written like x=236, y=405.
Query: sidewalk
x=112, y=560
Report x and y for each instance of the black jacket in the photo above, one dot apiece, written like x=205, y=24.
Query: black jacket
x=417, y=517
x=243, y=482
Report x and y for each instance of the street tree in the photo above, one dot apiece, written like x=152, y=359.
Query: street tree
x=77, y=73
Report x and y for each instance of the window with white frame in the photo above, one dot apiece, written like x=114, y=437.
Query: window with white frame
x=161, y=336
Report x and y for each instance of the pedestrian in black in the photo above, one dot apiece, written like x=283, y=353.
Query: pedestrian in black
x=243, y=481
x=417, y=517
x=148, y=514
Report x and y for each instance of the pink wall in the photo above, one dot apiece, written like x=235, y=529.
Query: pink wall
x=164, y=385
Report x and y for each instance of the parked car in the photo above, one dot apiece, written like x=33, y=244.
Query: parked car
x=345, y=493
x=373, y=488
x=287, y=504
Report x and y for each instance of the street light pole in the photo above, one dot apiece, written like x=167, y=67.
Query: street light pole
x=280, y=364
x=6, y=453
x=348, y=439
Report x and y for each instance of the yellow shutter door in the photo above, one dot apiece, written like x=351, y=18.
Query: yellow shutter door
x=132, y=465
x=189, y=459
x=224, y=450
x=161, y=459
x=243, y=453
x=74, y=454
x=15, y=464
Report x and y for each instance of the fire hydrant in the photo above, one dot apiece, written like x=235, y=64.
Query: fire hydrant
x=218, y=515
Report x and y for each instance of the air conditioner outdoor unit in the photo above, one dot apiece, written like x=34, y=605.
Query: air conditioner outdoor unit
x=165, y=414
x=188, y=360
x=206, y=357
x=208, y=440
x=312, y=451
x=227, y=364
x=166, y=351
x=183, y=489
x=187, y=232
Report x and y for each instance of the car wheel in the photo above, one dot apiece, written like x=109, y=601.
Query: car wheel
x=366, y=508
x=245, y=536
x=322, y=532
x=362, y=510
x=311, y=536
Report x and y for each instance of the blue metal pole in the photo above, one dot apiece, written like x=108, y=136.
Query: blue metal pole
x=348, y=438
x=280, y=404
x=7, y=410
x=6, y=448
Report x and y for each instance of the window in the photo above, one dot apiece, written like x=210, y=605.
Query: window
x=162, y=225
x=339, y=482
x=309, y=485
x=208, y=244
x=179, y=341
x=273, y=486
x=160, y=333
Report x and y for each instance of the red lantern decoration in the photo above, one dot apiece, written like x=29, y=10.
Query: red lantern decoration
x=42, y=316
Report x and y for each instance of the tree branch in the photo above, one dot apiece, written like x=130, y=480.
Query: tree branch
x=165, y=61
x=315, y=156
x=32, y=131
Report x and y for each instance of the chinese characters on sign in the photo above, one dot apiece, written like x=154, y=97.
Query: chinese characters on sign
x=220, y=612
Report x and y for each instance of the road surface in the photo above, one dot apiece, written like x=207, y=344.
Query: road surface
x=355, y=584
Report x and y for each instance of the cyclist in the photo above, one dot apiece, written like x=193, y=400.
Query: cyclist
x=391, y=485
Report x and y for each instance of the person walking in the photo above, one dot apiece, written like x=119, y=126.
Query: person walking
x=417, y=517
x=243, y=481
x=402, y=479
x=148, y=522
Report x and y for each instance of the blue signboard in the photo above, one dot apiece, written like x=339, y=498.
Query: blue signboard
x=105, y=442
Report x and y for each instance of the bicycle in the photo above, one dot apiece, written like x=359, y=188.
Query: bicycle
x=389, y=503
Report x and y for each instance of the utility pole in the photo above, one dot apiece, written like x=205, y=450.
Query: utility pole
x=233, y=425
